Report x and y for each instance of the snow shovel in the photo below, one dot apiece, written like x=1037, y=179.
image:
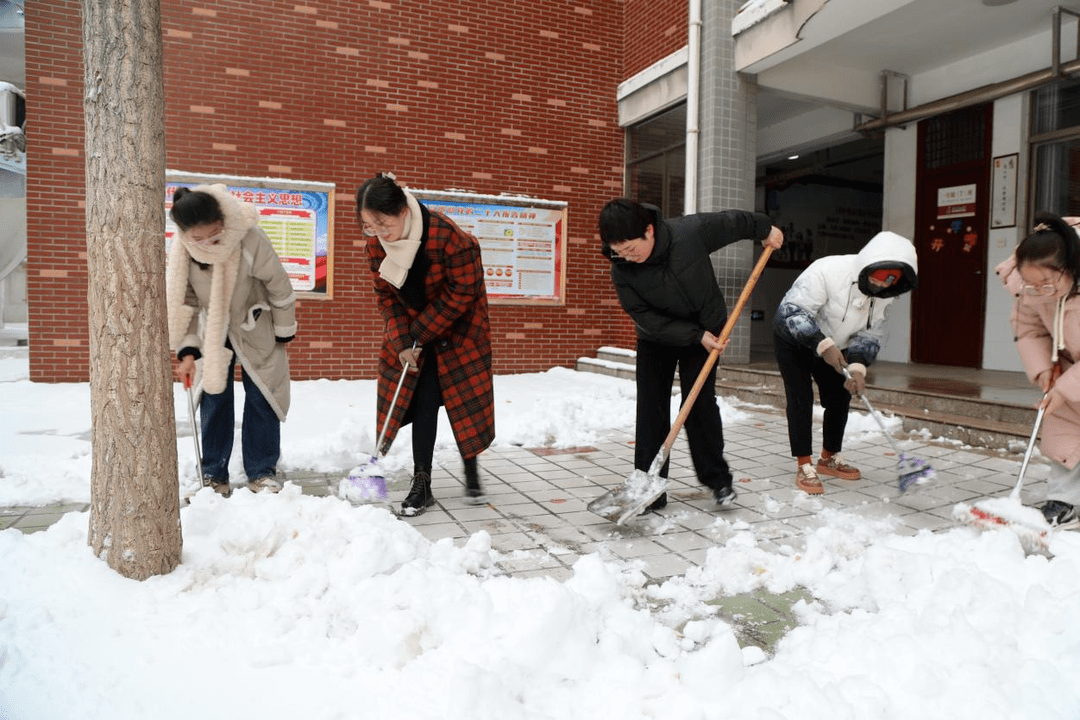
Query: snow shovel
x=194, y=421
x=194, y=425
x=912, y=470
x=366, y=484
x=641, y=488
x=995, y=513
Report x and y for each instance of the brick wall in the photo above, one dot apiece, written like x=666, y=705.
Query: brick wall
x=487, y=97
x=653, y=30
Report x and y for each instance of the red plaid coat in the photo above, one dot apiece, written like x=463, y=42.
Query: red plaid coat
x=453, y=323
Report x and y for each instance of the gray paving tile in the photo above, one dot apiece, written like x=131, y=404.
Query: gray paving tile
x=557, y=573
x=659, y=567
x=683, y=540
x=506, y=542
x=492, y=526
x=438, y=531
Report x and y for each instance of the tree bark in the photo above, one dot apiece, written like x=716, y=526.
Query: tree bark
x=134, y=509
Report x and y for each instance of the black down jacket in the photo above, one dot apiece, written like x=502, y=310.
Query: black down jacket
x=673, y=296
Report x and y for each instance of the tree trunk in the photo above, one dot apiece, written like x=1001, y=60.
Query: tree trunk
x=134, y=509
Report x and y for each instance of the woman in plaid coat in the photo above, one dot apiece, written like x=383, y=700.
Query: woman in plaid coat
x=429, y=281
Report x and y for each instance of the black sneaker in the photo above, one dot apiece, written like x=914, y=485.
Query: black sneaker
x=1059, y=514
x=474, y=493
x=725, y=496
x=419, y=497
x=658, y=504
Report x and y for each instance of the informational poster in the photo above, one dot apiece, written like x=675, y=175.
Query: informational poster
x=955, y=202
x=522, y=241
x=1003, y=194
x=297, y=216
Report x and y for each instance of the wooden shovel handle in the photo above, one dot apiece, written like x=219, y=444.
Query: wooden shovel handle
x=733, y=317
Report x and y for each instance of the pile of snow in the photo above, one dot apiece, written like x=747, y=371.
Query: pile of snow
x=297, y=606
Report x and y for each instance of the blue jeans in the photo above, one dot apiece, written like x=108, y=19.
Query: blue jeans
x=260, y=435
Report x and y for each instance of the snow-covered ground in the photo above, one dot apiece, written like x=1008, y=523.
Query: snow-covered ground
x=293, y=606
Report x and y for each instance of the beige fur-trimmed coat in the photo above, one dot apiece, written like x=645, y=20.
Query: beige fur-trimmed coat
x=259, y=304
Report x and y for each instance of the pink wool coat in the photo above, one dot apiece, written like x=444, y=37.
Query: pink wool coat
x=1032, y=320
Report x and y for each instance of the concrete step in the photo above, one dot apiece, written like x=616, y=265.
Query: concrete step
x=970, y=421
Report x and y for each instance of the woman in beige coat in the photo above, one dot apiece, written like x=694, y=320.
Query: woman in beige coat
x=1043, y=275
x=229, y=299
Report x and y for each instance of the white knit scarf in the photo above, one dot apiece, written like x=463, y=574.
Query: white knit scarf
x=400, y=254
x=224, y=259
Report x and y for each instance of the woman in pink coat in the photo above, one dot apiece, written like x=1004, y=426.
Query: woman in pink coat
x=1043, y=274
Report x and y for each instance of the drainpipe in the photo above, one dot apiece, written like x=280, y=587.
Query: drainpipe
x=693, y=84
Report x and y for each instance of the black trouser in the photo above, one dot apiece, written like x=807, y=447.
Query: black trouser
x=656, y=365
x=423, y=412
x=800, y=367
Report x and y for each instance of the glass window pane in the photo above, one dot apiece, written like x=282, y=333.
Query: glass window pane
x=1057, y=107
x=1057, y=177
x=647, y=182
x=676, y=186
x=658, y=133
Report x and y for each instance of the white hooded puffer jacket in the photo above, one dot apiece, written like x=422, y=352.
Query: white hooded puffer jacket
x=828, y=302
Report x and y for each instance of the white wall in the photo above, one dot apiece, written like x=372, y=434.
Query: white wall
x=898, y=215
x=1010, y=131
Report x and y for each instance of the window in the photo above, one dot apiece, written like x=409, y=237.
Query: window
x=1055, y=148
x=656, y=161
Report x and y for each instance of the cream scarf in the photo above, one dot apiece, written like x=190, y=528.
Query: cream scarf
x=224, y=258
x=400, y=254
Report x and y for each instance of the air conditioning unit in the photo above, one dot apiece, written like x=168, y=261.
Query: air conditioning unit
x=12, y=122
x=12, y=106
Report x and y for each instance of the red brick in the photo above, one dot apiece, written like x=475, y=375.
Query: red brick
x=539, y=121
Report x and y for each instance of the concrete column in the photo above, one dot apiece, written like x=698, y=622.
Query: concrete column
x=727, y=156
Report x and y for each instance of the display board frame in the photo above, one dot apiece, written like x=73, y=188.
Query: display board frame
x=297, y=216
x=523, y=242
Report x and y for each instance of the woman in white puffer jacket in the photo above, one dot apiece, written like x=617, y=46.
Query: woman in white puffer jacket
x=833, y=318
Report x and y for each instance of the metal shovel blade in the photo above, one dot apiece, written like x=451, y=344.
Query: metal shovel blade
x=630, y=499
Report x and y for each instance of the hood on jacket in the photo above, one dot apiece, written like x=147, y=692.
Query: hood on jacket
x=888, y=251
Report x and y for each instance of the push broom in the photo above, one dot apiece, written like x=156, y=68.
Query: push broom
x=911, y=470
x=997, y=513
x=366, y=484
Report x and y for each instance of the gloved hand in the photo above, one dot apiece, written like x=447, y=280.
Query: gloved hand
x=284, y=340
x=857, y=383
x=831, y=354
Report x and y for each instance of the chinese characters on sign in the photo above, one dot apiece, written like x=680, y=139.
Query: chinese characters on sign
x=522, y=242
x=296, y=216
x=955, y=202
x=1003, y=195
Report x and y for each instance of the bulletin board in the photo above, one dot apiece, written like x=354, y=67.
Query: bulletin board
x=522, y=242
x=297, y=216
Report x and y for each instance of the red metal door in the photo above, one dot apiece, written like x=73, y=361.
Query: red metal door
x=952, y=221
